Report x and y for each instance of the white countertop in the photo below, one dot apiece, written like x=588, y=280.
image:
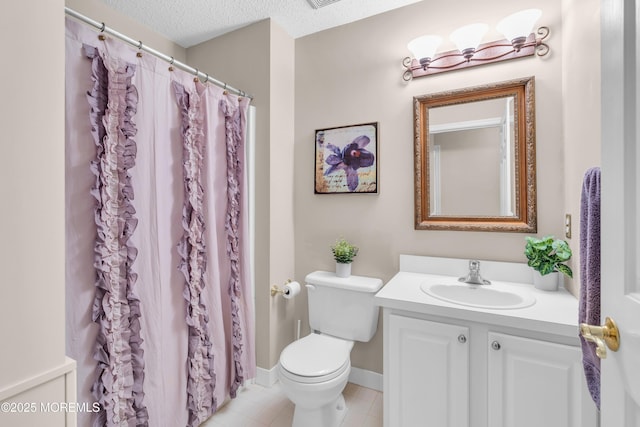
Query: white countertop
x=553, y=312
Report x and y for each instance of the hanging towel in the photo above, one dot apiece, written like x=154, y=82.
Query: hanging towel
x=589, y=306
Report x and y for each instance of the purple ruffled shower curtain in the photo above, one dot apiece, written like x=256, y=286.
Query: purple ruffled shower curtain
x=158, y=287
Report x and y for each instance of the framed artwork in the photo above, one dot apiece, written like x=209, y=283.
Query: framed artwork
x=347, y=159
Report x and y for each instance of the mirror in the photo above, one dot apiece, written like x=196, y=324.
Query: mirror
x=475, y=158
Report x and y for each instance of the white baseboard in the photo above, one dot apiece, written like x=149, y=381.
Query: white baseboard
x=266, y=377
x=364, y=378
x=361, y=377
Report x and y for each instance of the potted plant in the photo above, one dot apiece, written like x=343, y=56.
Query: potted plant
x=343, y=253
x=547, y=256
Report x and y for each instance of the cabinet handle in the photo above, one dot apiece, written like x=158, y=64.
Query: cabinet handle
x=495, y=345
x=462, y=339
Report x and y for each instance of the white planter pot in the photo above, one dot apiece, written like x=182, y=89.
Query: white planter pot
x=548, y=282
x=343, y=270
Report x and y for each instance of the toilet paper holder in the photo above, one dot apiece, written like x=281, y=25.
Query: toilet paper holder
x=275, y=290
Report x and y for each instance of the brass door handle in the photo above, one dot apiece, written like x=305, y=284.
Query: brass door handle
x=602, y=335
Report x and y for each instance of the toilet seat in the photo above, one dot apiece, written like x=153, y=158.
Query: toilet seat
x=316, y=358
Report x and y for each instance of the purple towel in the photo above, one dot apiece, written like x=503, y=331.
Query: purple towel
x=589, y=311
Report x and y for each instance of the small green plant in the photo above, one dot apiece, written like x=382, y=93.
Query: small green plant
x=343, y=251
x=547, y=255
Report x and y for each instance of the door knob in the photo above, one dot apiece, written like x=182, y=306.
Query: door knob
x=602, y=335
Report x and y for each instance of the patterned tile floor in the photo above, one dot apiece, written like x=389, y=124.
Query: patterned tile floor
x=258, y=406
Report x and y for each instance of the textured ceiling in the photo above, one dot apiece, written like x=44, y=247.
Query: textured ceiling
x=189, y=22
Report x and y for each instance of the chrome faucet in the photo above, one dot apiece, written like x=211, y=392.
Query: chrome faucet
x=474, y=277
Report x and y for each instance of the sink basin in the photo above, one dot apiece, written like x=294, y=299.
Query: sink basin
x=492, y=296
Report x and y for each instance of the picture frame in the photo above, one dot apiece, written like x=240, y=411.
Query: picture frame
x=346, y=159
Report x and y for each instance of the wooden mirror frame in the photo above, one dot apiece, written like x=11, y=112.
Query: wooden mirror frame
x=525, y=215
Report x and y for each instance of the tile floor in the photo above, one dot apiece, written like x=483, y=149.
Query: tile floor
x=258, y=406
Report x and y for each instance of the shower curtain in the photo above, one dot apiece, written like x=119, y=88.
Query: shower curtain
x=158, y=286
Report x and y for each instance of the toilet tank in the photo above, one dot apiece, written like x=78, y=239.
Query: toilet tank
x=343, y=307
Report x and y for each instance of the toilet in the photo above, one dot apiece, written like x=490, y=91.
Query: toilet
x=315, y=369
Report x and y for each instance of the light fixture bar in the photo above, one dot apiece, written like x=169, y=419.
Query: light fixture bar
x=486, y=53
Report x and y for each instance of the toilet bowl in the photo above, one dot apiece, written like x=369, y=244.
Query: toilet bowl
x=313, y=372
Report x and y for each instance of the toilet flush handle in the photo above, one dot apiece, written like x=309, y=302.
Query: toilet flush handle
x=311, y=287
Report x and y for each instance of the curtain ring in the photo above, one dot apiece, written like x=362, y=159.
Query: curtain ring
x=195, y=79
x=171, y=64
x=139, y=54
x=101, y=36
x=225, y=90
x=206, y=79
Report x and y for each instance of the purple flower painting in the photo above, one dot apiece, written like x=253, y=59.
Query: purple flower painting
x=352, y=157
x=346, y=159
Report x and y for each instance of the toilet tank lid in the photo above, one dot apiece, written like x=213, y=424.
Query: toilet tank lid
x=352, y=283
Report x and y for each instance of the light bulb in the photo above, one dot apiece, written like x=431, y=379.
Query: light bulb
x=517, y=27
x=424, y=48
x=468, y=38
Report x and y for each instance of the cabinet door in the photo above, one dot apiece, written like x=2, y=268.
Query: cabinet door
x=428, y=378
x=534, y=383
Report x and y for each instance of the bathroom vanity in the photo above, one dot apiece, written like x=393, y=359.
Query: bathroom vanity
x=498, y=355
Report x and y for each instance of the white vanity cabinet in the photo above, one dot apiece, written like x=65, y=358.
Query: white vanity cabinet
x=443, y=374
x=535, y=383
x=428, y=373
x=477, y=362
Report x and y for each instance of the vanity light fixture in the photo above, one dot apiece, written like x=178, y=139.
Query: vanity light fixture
x=520, y=41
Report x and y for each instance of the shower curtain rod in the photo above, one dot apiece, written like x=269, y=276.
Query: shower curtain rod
x=138, y=44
